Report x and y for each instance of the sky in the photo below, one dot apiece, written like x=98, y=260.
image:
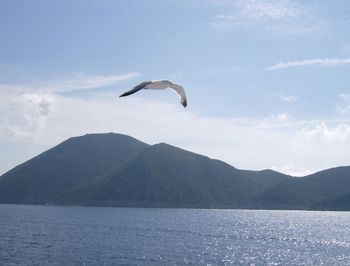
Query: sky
x=267, y=82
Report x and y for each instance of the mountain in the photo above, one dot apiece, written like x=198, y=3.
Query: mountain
x=305, y=192
x=118, y=170
x=266, y=178
x=339, y=203
x=163, y=175
x=76, y=160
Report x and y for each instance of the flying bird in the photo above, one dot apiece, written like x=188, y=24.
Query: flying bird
x=159, y=85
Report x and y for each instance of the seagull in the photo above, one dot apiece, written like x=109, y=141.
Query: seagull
x=159, y=85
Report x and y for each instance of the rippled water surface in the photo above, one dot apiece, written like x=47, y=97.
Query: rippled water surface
x=40, y=235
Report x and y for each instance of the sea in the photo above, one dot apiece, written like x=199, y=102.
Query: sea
x=52, y=235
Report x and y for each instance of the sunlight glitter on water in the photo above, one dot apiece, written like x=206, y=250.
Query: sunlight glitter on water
x=114, y=236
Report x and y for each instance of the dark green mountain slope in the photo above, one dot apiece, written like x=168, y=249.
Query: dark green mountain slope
x=339, y=203
x=265, y=179
x=302, y=193
x=167, y=176
x=75, y=161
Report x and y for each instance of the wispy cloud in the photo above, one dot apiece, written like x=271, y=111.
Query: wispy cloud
x=321, y=62
x=326, y=133
x=283, y=117
x=281, y=120
x=286, y=98
x=345, y=97
x=283, y=17
x=80, y=81
x=256, y=10
x=344, y=106
x=84, y=81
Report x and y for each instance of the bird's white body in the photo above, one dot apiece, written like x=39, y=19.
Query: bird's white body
x=160, y=85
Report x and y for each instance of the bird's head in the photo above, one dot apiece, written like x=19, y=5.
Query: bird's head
x=183, y=101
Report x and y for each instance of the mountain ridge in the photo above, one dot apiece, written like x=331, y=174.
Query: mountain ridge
x=110, y=169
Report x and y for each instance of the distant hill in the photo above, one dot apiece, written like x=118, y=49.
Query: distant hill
x=117, y=170
x=305, y=192
x=265, y=179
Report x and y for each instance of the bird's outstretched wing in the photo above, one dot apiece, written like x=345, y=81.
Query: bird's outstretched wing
x=136, y=88
x=181, y=92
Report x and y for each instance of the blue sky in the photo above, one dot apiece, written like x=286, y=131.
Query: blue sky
x=267, y=81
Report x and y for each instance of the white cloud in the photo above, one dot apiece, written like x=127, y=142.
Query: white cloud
x=44, y=119
x=321, y=145
x=25, y=114
x=282, y=17
x=326, y=134
x=274, y=121
x=80, y=81
x=243, y=142
x=256, y=10
x=286, y=98
x=24, y=108
x=322, y=62
x=345, y=97
x=83, y=81
x=235, y=141
x=344, y=106
x=37, y=106
x=284, y=117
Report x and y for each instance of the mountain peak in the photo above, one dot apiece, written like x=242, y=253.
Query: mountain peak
x=74, y=161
